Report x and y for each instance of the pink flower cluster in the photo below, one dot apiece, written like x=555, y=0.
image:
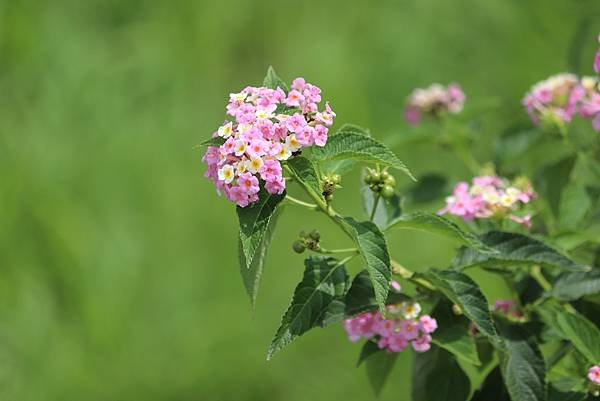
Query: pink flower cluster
x=433, y=101
x=269, y=127
x=594, y=374
x=490, y=196
x=400, y=327
x=559, y=98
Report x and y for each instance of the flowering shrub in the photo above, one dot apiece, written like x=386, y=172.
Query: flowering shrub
x=541, y=344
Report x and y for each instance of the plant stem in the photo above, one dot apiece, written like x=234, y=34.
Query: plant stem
x=332, y=251
x=298, y=202
x=321, y=204
x=536, y=274
x=375, y=203
x=406, y=274
x=397, y=268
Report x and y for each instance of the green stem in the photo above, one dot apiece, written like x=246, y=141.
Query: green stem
x=332, y=251
x=536, y=274
x=321, y=204
x=375, y=203
x=399, y=270
x=298, y=202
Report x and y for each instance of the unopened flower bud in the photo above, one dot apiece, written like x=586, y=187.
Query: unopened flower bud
x=387, y=192
x=390, y=180
x=457, y=310
x=299, y=246
x=315, y=235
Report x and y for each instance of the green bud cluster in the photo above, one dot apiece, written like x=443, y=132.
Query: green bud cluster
x=330, y=184
x=380, y=182
x=307, y=241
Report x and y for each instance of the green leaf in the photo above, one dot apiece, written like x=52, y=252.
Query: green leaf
x=341, y=166
x=372, y=245
x=435, y=224
x=387, y=209
x=556, y=395
x=429, y=188
x=522, y=366
x=360, y=297
x=272, y=80
x=480, y=376
x=251, y=275
x=368, y=349
x=548, y=312
x=379, y=366
x=515, y=249
x=353, y=128
x=437, y=377
x=491, y=387
x=254, y=220
x=573, y=206
x=584, y=335
x=453, y=334
x=216, y=141
x=325, y=279
x=572, y=286
x=353, y=146
x=463, y=291
x=307, y=173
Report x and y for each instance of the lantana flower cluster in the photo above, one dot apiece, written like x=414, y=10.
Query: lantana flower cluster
x=268, y=127
x=561, y=97
x=490, y=197
x=400, y=327
x=434, y=101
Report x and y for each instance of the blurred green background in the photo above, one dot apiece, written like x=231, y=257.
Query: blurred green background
x=118, y=268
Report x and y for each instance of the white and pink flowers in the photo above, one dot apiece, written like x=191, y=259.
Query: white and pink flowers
x=490, y=197
x=400, y=328
x=434, y=101
x=268, y=128
x=561, y=97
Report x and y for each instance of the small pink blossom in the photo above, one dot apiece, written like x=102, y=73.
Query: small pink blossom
x=295, y=123
x=275, y=186
x=320, y=135
x=427, y=324
x=422, y=344
x=395, y=286
x=409, y=329
x=248, y=183
x=594, y=374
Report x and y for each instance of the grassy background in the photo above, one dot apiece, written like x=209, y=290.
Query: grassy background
x=118, y=270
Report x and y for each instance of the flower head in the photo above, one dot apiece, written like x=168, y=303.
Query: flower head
x=393, y=330
x=268, y=127
x=434, y=101
x=489, y=197
x=555, y=101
